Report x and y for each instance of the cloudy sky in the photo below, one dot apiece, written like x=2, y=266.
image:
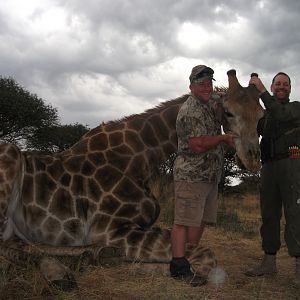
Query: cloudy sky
x=99, y=60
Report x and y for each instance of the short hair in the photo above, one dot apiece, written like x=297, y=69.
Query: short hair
x=281, y=73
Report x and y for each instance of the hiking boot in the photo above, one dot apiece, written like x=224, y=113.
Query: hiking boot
x=180, y=269
x=266, y=267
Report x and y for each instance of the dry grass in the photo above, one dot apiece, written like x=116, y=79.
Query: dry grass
x=236, y=250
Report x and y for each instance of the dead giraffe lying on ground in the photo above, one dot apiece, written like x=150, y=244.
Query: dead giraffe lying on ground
x=96, y=196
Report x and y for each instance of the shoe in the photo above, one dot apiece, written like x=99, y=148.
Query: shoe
x=266, y=267
x=180, y=269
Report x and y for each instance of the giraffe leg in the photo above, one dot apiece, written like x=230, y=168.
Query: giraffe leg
x=57, y=274
x=110, y=256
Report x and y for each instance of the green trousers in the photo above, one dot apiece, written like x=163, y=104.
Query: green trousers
x=280, y=188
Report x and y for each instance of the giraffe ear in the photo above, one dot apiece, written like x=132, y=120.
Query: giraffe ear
x=233, y=82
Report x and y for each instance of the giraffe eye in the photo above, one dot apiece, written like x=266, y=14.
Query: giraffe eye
x=228, y=114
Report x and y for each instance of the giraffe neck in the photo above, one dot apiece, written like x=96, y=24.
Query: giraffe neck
x=139, y=141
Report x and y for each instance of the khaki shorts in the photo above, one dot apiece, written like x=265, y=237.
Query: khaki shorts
x=195, y=202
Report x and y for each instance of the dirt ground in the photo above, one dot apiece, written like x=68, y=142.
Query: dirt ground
x=149, y=281
x=235, y=254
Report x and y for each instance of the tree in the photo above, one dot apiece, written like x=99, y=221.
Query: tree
x=56, y=138
x=22, y=113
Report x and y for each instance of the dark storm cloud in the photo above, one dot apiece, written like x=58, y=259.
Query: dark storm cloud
x=97, y=60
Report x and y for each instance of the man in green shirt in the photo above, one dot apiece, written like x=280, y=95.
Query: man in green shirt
x=280, y=174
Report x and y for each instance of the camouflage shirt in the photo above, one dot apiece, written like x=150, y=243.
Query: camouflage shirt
x=194, y=120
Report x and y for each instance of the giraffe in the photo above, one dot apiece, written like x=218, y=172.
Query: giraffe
x=97, y=192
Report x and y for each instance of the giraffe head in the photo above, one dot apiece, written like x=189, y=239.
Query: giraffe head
x=242, y=113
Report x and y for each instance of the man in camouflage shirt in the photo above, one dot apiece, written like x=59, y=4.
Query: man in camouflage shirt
x=197, y=169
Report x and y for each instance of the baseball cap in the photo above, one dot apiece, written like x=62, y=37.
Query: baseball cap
x=200, y=73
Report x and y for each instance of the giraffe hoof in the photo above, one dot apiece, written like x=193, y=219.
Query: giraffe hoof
x=57, y=275
x=67, y=284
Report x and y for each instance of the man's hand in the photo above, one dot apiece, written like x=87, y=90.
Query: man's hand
x=258, y=84
x=206, y=142
x=228, y=138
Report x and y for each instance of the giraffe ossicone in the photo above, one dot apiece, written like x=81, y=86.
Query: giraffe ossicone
x=97, y=192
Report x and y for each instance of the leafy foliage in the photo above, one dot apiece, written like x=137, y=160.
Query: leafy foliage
x=22, y=113
x=56, y=138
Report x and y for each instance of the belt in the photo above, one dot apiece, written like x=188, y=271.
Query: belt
x=277, y=157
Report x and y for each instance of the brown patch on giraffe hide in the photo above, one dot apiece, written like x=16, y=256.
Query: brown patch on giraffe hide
x=48, y=159
x=148, y=210
x=119, y=222
x=83, y=206
x=151, y=238
x=127, y=191
x=65, y=179
x=154, y=156
x=137, y=168
x=43, y=189
x=117, y=160
x=99, y=223
x=148, y=136
x=132, y=253
x=51, y=225
x=127, y=210
x=1, y=178
x=170, y=115
x=136, y=123
x=120, y=243
x=135, y=236
x=121, y=232
x=97, y=159
x=74, y=228
x=159, y=127
x=27, y=191
x=78, y=186
x=34, y=216
x=50, y=238
x=6, y=162
x=174, y=138
x=65, y=240
x=73, y=163
x=142, y=222
x=94, y=131
x=10, y=174
x=39, y=165
x=93, y=190
x=80, y=147
x=134, y=141
x=123, y=149
x=98, y=142
x=3, y=206
x=62, y=204
x=28, y=164
x=109, y=205
x=13, y=153
x=107, y=177
x=114, y=126
x=55, y=169
x=87, y=168
x=115, y=138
